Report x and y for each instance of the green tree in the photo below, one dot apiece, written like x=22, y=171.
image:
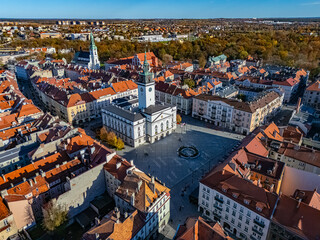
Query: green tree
x=190, y=82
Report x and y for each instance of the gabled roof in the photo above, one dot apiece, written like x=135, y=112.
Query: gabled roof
x=299, y=219
x=103, y=92
x=315, y=87
x=198, y=228
x=241, y=190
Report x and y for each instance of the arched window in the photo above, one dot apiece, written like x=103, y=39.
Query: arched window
x=167, y=124
x=139, y=133
x=161, y=127
x=156, y=129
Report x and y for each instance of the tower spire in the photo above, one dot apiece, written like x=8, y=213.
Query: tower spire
x=145, y=63
x=92, y=44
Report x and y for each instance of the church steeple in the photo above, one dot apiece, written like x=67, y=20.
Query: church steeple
x=94, y=62
x=92, y=44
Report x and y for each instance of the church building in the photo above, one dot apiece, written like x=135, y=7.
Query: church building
x=148, y=122
x=89, y=59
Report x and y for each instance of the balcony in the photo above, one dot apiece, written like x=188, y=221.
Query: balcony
x=252, y=237
x=218, y=199
x=257, y=231
x=258, y=223
x=217, y=207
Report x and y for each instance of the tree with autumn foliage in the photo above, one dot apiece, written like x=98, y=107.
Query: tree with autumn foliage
x=119, y=144
x=54, y=216
x=179, y=118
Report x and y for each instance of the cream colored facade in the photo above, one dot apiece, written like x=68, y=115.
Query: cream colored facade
x=229, y=114
x=8, y=227
x=295, y=163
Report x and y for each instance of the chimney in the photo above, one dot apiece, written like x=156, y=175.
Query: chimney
x=299, y=202
x=30, y=182
x=132, y=199
x=152, y=185
x=97, y=221
x=125, y=215
x=118, y=165
x=271, y=187
x=131, y=162
x=24, y=179
x=298, y=105
x=4, y=177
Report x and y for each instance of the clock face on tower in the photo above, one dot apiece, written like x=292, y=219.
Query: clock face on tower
x=150, y=89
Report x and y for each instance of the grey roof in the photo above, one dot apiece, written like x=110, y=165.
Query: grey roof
x=81, y=54
x=131, y=116
x=16, y=152
x=155, y=108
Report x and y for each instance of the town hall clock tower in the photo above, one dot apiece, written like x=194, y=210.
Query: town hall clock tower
x=146, y=86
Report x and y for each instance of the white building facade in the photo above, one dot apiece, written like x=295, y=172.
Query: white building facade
x=148, y=123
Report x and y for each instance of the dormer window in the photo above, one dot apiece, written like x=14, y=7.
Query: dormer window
x=259, y=209
x=235, y=195
x=246, y=201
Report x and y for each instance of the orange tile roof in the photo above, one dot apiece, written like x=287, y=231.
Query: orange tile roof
x=124, y=86
x=27, y=110
x=4, y=211
x=315, y=87
x=272, y=132
x=103, y=92
x=299, y=219
x=198, y=228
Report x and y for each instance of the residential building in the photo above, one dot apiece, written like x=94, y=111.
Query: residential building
x=311, y=95
x=241, y=117
x=172, y=94
x=199, y=228
x=296, y=156
x=294, y=219
x=242, y=208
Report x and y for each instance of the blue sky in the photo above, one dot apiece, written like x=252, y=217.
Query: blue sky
x=158, y=8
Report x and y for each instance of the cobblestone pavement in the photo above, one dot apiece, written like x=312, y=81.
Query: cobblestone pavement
x=182, y=175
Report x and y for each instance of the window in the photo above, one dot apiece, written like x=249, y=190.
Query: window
x=239, y=225
x=240, y=217
x=226, y=217
x=247, y=221
x=246, y=229
x=156, y=129
x=228, y=202
x=227, y=209
x=248, y=213
x=241, y=209
x=234, y=213
x=232, y=220
x=234, y=205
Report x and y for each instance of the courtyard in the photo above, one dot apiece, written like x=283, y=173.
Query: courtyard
x=180, y=174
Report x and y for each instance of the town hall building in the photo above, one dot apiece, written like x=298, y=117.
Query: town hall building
x=148, y=122
x=89, y=59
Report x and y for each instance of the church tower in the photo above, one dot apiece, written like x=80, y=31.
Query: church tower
x=94, y=59
x=146, y=86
